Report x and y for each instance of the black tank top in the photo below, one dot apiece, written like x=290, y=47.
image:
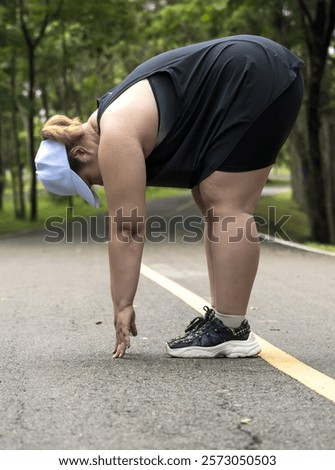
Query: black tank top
x=216, y=90
x=167, y=103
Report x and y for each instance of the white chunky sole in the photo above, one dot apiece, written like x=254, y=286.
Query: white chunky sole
x=232, y=349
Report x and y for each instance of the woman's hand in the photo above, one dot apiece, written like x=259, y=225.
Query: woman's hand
x=124, y=323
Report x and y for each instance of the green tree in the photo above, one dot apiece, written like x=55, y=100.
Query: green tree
x=11, y=50
x=318, y=21
x=34, y=18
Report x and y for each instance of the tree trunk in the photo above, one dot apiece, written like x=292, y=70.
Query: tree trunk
x=17, y=166
x=32, y=41
x=314, y=181
x=318, y=20
x=297, y=145
x=2, y=167
x=30, y=131
x=328, y=132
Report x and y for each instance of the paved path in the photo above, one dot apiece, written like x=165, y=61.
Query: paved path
x=61, y=389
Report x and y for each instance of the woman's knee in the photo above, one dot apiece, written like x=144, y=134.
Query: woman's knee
x=233, y=192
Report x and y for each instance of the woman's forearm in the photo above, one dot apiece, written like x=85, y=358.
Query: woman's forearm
x=125, y=254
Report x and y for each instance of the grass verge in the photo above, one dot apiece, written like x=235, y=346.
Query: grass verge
x=51, y=206
x=280, y=216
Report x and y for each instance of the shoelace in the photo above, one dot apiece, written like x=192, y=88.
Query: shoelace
x=201, y=321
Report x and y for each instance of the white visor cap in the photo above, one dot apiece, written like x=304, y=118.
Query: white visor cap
x=54, y=172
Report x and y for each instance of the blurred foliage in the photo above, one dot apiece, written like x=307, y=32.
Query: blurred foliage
x=83, y=49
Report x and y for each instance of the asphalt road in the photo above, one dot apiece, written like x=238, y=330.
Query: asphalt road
x=61, y=389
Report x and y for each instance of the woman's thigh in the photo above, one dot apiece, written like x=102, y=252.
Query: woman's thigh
x=231, y=192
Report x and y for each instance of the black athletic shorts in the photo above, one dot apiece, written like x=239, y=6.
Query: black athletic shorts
x=261, y=143
x=259, y=146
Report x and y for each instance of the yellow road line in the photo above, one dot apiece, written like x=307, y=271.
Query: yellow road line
x=191, y=299
x=311, y=378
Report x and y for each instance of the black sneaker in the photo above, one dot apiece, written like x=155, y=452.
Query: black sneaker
x=208, y=337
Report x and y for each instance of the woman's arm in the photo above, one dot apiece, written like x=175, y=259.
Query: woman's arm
x=126, y=133
x=124, y=185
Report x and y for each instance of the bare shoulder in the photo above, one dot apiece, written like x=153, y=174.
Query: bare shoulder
x=133, y=115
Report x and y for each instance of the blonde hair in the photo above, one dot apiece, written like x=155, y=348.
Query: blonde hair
x=63, y=129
